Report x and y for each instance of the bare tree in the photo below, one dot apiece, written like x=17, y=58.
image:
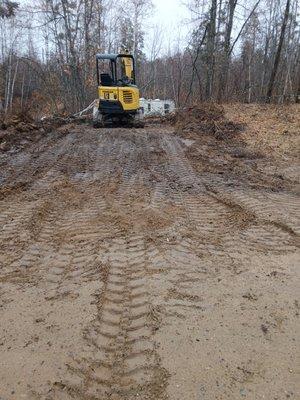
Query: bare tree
x=227, y=41
x=278, y=52
x=48, y=49
x=210, y=49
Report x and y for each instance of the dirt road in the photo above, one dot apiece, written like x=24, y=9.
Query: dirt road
x=134, y=266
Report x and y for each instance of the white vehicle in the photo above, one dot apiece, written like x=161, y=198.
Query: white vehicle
x=156, y=107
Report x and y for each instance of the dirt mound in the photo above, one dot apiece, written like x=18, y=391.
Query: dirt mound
x=206, y=119
x=222, y=144
x=20, y=129
x=16, y=130
x=20, y=122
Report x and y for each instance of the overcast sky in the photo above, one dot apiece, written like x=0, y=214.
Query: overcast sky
x=171, y=16
x=169, y=12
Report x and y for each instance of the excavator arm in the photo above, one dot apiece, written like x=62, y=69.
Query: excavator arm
x=128, y=67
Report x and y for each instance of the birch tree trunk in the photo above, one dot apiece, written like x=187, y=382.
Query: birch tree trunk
x=13, y=85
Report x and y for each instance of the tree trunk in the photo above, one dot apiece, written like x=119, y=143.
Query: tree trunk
x=297, y=95
x=211, y=40
x=278, y=52
x=225, y=68
x=13, y=85
x=8, y=84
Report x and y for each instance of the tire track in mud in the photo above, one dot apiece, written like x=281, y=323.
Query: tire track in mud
x=30, y=240
x=125, y=362
x=31, y=222
x=28, y=221
x=267, y=230
x=39, y=166
x=234, y=209
x=80, y=223
x=281, y=210
x=82, y=244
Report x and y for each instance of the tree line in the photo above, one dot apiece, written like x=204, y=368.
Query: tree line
x=247, y=51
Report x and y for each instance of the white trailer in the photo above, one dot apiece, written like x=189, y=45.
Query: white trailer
x=156, y=107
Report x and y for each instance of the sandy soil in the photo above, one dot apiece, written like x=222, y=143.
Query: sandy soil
x=147, y=264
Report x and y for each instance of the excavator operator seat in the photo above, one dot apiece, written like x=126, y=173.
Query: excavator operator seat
x=106, y=80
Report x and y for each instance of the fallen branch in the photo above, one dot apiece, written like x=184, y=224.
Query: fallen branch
x=79, y=114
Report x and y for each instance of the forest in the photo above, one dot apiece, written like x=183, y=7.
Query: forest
x=236, y=51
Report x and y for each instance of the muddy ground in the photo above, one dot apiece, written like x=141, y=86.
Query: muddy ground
x=152, y=264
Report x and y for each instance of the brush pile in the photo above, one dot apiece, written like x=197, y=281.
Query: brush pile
x=205, y=119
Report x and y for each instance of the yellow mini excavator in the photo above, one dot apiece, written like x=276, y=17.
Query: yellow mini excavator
x=118, y=96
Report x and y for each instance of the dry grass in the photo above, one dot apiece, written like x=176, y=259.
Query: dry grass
x=271, y=129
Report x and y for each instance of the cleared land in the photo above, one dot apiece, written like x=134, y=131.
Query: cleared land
x=156, y=263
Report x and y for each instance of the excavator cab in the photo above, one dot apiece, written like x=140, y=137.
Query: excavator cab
x=118, y=96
